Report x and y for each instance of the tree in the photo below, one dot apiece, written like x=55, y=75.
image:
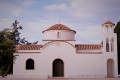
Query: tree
x=7, y=48
x=16, y=35
x=117, y=30
x=9, y=38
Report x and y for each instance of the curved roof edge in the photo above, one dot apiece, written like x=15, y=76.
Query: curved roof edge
x=59, y=27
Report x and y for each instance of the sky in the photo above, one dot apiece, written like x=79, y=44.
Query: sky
x=83, y=16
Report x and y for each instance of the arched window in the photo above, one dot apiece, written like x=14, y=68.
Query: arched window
x=30, y=64
x=107, y=45
x=112, y=44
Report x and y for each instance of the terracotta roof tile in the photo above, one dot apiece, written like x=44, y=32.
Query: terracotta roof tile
x=28, y=47
x=59, y=27
x=108, y=22
x=88, y=46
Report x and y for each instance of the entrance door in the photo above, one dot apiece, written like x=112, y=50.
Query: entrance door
x=58, y=68
x=110, y=68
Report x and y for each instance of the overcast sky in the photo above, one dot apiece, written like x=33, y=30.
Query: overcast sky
x=83, y=16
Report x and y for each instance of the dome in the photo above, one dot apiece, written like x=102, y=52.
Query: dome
x=59, y=27
x=59, y=32
x=108, y=22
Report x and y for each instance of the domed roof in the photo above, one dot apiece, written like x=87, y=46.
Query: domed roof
x=59, y=27
x=108, y=22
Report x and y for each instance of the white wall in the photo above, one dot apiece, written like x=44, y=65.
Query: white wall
x=63, y=35
x=75, y=65
x=109, y=33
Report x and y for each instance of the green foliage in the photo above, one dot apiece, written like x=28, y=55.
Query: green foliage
x=16, y=35
x=7, y=48
x=15, y=32
x=117, y=30
x=9, y=38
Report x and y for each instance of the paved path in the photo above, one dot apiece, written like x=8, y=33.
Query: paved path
x=58, y=79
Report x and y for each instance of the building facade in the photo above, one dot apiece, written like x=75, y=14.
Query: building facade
x=59, y=56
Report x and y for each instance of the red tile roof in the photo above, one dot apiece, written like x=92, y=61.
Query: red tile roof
x=78, y=47
x=59, y=27
x=28, y=47
x=108, y=22
x=88, y=46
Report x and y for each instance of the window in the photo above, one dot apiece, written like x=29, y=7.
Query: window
x=102, y=44
x=58, y=35
x=30, y=64
x=106, y=26
x=112, y=44
x=107, y=45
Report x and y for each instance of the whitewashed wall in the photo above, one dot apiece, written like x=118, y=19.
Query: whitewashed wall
x=63, y=35
x=75, y=65
x=109, y=33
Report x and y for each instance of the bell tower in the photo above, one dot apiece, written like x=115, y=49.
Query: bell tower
x=109, y=36
x=110, y=50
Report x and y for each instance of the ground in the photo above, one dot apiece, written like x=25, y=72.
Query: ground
x=58, y=79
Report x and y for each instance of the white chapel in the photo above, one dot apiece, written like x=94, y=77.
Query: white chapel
x=60, y=56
